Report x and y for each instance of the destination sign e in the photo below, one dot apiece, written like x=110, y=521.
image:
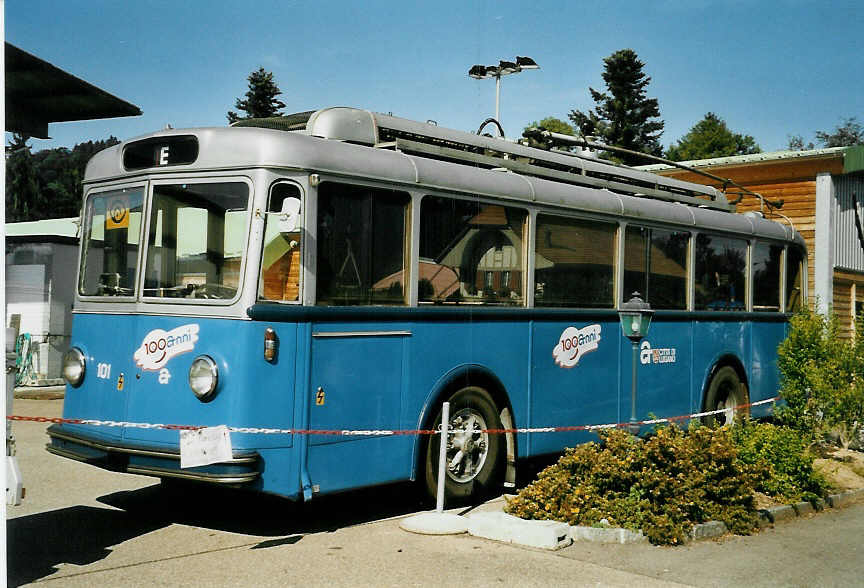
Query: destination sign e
x=161, y=152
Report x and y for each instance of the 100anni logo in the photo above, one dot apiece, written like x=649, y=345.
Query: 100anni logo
x=159, y=346
x=574, y=343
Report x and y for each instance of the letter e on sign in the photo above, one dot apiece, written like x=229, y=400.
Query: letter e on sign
x=164, y=153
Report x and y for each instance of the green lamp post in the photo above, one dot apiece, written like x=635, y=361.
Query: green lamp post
x=635, y=316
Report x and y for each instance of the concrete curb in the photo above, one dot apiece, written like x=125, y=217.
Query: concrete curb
x=553, y=535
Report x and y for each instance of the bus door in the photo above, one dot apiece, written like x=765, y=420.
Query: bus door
x=356, y=383
x=357, y=367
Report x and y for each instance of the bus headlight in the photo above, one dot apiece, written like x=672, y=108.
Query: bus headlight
x=203, y=377
x=74, y=367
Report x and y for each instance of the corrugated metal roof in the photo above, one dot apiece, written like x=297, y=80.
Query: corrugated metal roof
x=754, y=158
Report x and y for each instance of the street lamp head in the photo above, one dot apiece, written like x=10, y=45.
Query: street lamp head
x=526, y=63
x=635, y=316
x=478, y=72
x=507, y=67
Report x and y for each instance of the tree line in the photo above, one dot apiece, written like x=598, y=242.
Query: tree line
x=624, y=116
x=47, y=184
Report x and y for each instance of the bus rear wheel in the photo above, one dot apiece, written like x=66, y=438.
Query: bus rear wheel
x=726, y=392
x=475, y=457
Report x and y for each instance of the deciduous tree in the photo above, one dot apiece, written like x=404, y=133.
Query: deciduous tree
x=46, y=184
x=550, y=123
x=710, y=137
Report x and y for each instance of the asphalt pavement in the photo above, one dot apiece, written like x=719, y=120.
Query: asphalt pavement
x=81, y=526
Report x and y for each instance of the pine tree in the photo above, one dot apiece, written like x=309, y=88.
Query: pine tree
x=260, y=100
x=710, y=137
x=623, y=116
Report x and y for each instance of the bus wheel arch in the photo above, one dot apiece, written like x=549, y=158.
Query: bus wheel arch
x=477, y=388
x=726, y=387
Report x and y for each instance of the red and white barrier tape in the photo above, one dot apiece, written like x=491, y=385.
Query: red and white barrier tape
x=381, y=432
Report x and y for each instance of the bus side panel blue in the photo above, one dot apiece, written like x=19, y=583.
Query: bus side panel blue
x=439, y=349
x=581, y=394
x=712, y=341
x=664, y=374
x=765, y=376
x=98, y=396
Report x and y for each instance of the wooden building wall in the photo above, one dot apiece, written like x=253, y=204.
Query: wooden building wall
x=848, y=300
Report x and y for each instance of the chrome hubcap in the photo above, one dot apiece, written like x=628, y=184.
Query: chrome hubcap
x=467, y=445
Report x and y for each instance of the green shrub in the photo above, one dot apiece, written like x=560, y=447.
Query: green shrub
x=822, y=378
x=781, y=457
x=663, y=484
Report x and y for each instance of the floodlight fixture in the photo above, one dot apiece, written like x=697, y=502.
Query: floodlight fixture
x=504, y=68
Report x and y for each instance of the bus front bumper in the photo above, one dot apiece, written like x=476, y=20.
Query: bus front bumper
x=122, y=456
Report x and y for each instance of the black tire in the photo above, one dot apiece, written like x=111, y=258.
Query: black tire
x=725, y=391
x=479, y=471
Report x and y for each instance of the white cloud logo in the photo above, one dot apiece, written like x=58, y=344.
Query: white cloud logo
x=159, y=346
x=574, y=343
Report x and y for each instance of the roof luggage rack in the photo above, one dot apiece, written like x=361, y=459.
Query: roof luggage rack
x=385, y=131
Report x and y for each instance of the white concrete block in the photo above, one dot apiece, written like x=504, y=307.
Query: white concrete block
x=509, y=529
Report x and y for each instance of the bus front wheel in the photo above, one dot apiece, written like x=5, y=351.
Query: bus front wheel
x=475, y=457
x=726, y=392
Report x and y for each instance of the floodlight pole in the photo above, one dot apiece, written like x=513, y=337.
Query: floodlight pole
x=497, y=97
x=483, y=72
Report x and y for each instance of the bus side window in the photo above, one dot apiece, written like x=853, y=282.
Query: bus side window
x=470, y=252
x=280, y=259
x=721, y=264
x=766, y=276
x=655, y=265
x=574, y=262
x=361, y=245
x=794, y=278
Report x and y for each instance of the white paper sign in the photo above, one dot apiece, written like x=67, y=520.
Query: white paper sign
x=204, y=446
x=574, y=343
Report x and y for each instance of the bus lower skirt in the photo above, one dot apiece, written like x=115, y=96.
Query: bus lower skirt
x=114, y=456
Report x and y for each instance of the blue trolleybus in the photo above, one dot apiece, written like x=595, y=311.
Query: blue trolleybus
x=348, y=270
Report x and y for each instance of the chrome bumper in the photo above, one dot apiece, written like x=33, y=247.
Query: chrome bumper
x=121, y=456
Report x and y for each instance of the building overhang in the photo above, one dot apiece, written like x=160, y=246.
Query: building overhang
x=38, y=93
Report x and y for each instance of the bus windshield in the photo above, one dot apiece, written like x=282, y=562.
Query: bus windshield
x=112, y=226
x=197, y=233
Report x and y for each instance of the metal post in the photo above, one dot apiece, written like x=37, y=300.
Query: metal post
x=442, y=457
x=497, y=97
x=634, y=428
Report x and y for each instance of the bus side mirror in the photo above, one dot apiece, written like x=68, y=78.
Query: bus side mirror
x=290, y=217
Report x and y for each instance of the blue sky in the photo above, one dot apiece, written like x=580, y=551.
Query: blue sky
x=769, y=68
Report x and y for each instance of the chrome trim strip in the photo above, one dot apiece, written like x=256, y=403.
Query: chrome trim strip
x=198, y=476
x=326, y=334
x=142, y=452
